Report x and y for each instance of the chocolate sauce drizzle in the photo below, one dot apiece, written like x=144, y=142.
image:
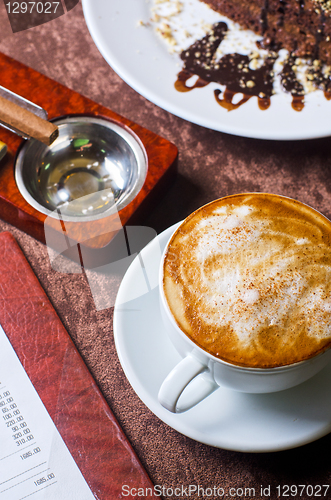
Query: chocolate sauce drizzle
x=319, y=79
x=234, y=71
x=281, y=12
x=264, y=18
x=291, y=84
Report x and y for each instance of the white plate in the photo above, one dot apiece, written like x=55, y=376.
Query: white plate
x=141, y=59
x=226, y=419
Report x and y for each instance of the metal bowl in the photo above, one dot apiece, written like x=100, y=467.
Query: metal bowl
x=93, y=168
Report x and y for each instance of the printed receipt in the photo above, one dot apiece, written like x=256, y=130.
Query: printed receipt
x=34, y=460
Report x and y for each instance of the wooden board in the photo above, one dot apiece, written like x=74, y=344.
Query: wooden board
x=59, y=101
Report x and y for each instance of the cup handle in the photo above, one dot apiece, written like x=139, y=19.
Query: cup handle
x=179, y=378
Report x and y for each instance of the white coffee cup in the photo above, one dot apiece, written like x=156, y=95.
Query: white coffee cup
x=199, y=373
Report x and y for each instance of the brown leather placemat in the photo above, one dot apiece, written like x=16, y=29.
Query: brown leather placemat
x=63, y=382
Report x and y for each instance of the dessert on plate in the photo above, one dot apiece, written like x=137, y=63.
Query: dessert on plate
x=303, y=27
x=291, y=52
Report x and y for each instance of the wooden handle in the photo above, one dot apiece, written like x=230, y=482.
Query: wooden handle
x=27, y=123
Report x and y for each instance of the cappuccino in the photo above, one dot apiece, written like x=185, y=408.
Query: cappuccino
x=248, y=279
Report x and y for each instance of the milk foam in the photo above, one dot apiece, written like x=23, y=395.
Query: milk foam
x=246, y=273
x=253, y=279
x=217, y=235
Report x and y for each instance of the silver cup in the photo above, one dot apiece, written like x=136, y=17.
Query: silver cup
x=93, y=167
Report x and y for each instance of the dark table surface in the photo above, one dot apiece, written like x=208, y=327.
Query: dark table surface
x=211, y=165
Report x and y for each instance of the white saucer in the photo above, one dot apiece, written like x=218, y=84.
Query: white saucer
x=226, y=419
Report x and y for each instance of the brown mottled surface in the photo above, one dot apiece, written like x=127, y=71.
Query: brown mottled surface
x=211, y=164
